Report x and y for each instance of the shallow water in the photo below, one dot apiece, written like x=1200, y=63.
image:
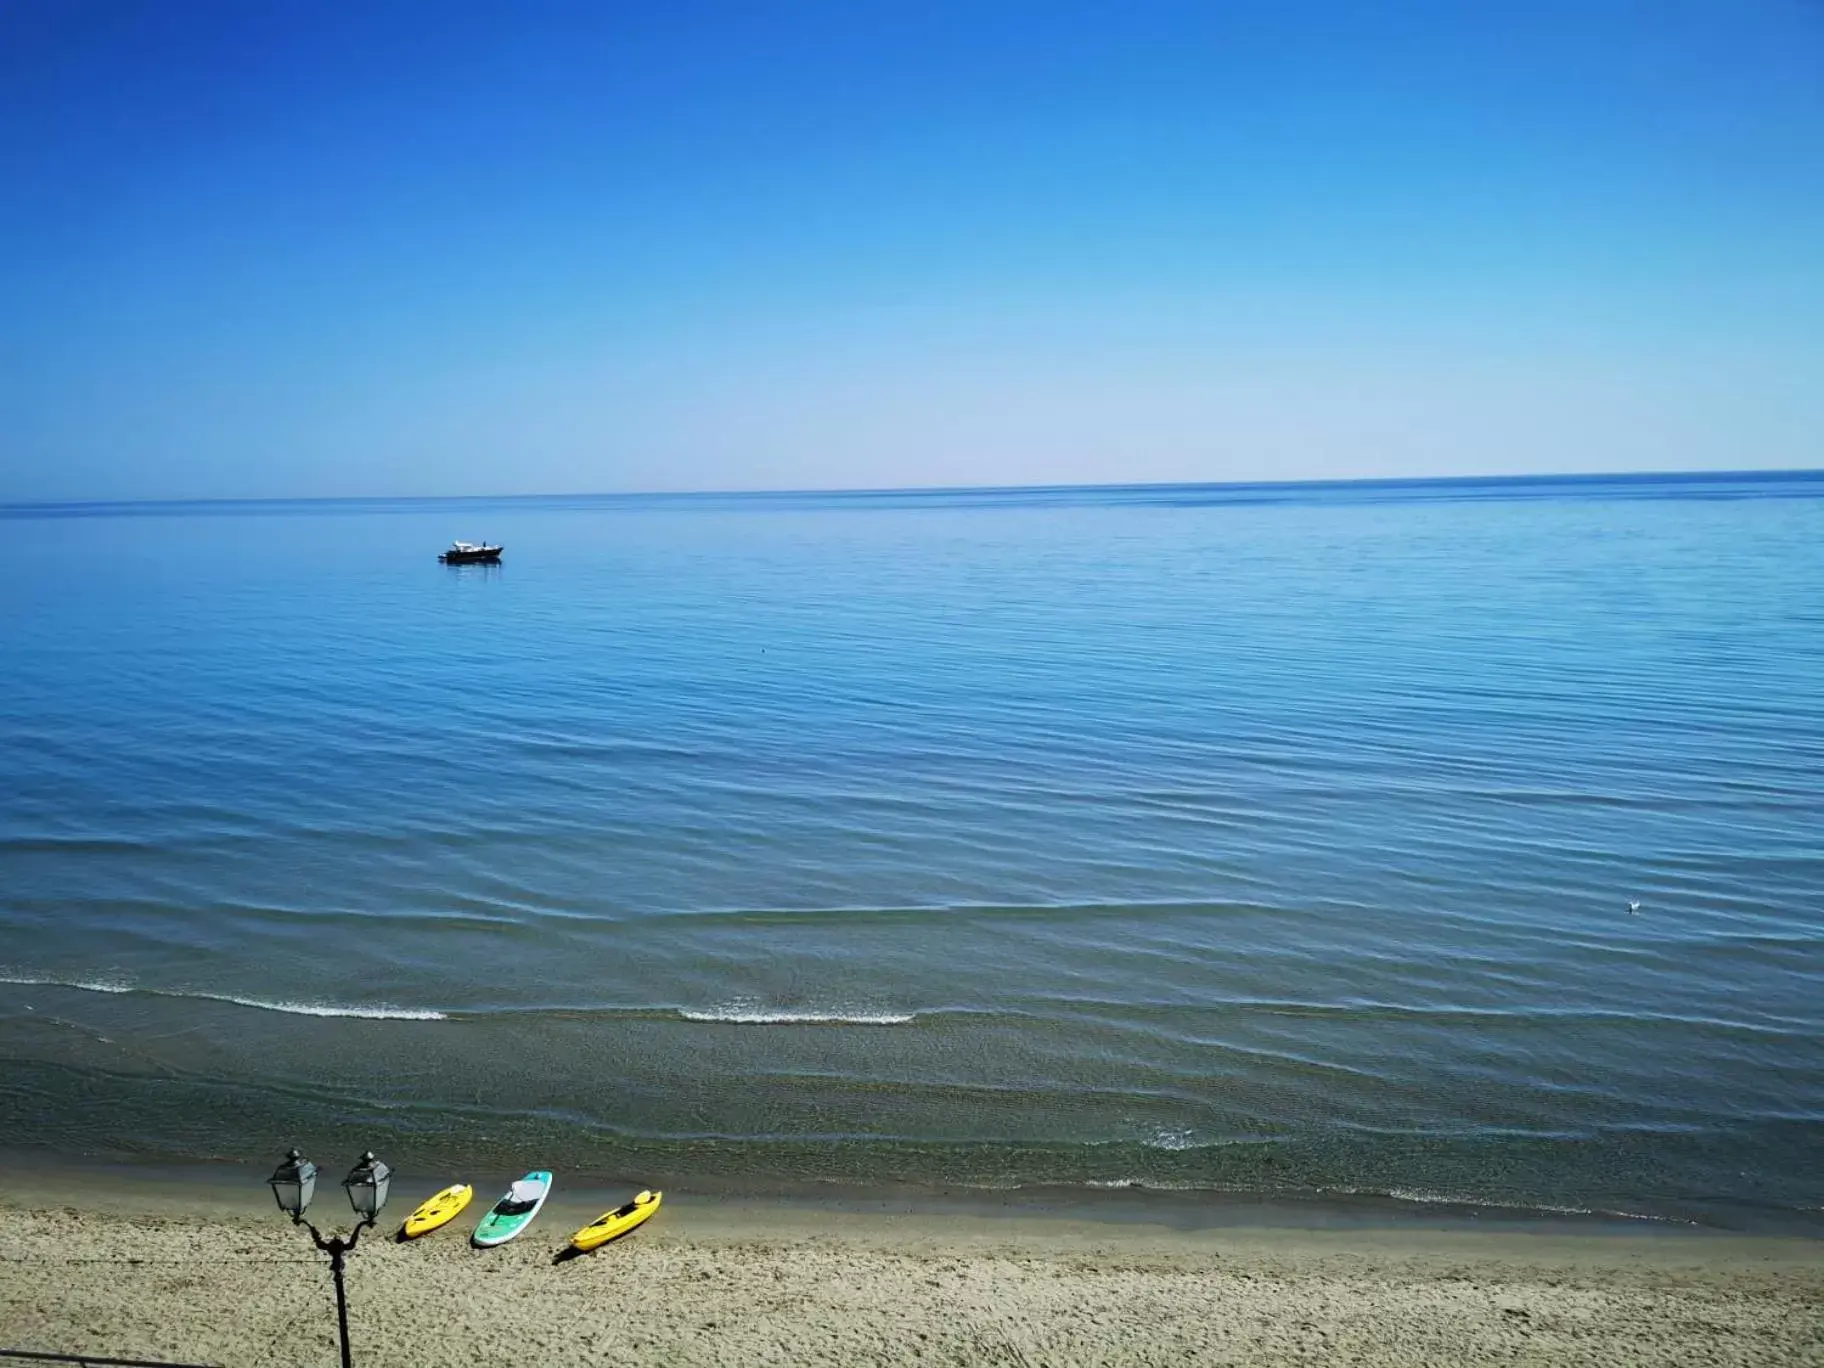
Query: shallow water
x=1244, y=838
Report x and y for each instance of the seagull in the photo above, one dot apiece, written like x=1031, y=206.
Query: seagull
x=1633, y=907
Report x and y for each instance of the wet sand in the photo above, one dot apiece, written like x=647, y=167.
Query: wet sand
x=200, y=1274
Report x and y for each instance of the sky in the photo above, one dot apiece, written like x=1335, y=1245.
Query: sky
x=305, y=250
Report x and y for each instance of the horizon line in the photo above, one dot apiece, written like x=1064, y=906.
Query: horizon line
x=1770, y=472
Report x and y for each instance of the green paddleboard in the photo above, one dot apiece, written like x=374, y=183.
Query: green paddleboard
x=514, y=1212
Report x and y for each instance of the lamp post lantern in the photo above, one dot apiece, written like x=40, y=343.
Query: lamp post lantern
x=366, y=1185
x=293, y=1184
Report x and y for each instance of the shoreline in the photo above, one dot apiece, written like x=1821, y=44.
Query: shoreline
x=223, y=1188
x=201, y=1268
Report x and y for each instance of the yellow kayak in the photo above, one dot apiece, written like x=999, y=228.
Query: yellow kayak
x=445, y=1207
x=617, y=1222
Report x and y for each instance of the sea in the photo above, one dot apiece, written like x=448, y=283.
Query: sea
x=1442, y=842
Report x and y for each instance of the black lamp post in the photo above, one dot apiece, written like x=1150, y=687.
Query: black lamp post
x=294, y=1182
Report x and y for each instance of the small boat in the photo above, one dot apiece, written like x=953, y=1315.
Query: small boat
x=469, y=553
x=617, y=1222
x=437, y=1211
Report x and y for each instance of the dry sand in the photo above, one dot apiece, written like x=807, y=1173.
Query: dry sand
x=716, y=1283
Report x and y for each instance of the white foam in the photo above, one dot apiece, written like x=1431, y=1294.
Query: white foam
x=742, y=1013
x=86, y=985
x=1173, y=1138
x=1542, y=1208
x=380, y=1012
x=325, y=1009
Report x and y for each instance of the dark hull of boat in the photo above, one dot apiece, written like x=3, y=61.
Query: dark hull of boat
x=489, y=557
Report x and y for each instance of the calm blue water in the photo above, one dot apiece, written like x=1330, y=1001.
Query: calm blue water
x=1262, y=838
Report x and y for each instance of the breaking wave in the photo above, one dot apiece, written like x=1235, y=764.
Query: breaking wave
x=744, y=1013
x=376, y=1012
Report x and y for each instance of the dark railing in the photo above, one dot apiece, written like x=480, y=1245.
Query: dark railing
x=99, y=1360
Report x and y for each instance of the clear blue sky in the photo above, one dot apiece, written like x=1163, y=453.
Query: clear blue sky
x=271, y=249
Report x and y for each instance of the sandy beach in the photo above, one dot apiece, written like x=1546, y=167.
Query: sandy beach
x=193, y=1277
